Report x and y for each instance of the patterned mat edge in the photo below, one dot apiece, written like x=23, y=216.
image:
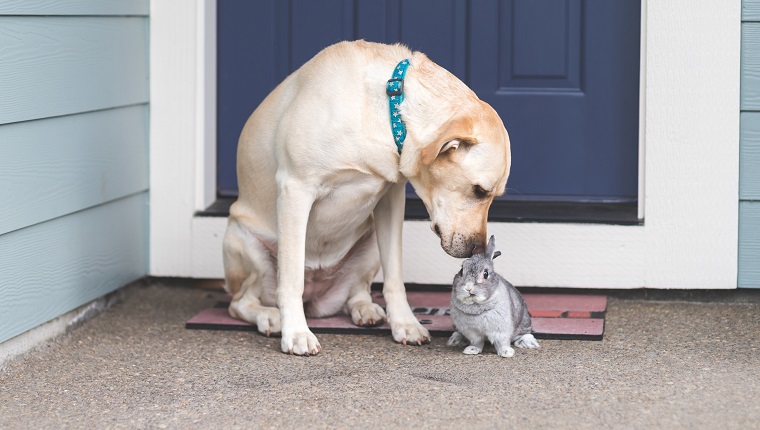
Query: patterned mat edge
x=437, y=322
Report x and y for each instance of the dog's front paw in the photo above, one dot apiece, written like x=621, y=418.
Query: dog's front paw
x=409, y=332
x=368, y=314
x=472, y=350
x=300, y=342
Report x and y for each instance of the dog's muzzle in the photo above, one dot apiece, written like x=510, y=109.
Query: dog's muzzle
x=461, y=246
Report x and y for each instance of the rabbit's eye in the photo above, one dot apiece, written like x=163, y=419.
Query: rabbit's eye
x=485, y=274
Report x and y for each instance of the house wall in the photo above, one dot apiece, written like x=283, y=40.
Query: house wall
x=73, y=154
x=690, y=235
x=749, y=168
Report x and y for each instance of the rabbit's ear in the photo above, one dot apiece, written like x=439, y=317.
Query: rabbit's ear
x=490, y=248
x=496, y=254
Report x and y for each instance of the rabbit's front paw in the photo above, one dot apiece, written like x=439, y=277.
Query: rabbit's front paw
x=472, y=350
x=506, y=352
x=527, y=341
x=456, y=339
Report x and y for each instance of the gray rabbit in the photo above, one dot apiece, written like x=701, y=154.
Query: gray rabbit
x=485, y=306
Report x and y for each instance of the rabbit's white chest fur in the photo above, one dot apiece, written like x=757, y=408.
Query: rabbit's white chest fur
x=485, y=315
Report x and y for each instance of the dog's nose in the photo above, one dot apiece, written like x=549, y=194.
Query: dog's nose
x=478, y=249
x=437, y=230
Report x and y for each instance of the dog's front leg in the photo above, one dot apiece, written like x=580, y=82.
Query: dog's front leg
x=294, y=203
x=389, y=221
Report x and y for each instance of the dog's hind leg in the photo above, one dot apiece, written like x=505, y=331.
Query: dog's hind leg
x=250, y=278
x=248, y=307
x=349, y=286
x=364, y=312
x=361, y=270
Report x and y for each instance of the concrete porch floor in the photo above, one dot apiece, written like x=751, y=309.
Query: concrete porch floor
x=662, y=364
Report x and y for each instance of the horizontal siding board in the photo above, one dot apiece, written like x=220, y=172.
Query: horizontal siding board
x=74, y=7
x=51, y=66
x=749, y=244
x=57, y=166
x=54, y=267
x=750, y=10
x=749, y=158
x=749, y=180
x=750, y=66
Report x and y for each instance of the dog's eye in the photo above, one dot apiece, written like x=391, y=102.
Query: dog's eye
x=479, y=192
x=485, y=274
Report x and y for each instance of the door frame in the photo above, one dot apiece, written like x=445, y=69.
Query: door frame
x=688, y=164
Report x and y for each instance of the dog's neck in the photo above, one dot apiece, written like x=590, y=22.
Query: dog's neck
x=395, y=92
x=433, y=97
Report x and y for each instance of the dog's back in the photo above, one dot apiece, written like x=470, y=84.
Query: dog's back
x=322, y=117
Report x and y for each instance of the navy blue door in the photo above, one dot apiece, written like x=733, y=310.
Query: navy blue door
x=563, y=75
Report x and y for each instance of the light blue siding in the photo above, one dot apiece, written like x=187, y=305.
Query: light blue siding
x=54, y=267
x=74, y=7
x=749, y=244
x=749, y=164
x=55, y=66
x=73, y=154
x=57, y=166
x=750, y=66
x=750, y=10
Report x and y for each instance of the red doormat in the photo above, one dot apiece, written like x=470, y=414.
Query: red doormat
x=554, y=316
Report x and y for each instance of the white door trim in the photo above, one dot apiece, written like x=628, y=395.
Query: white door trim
x=690, y=136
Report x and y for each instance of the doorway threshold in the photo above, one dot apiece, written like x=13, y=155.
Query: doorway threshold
x=521, y=211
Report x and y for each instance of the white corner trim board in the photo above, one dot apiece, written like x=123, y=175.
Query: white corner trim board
x=689, y=156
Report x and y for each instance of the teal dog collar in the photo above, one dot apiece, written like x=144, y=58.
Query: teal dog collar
x=395, y=91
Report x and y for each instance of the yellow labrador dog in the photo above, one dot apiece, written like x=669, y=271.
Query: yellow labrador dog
x=322, y=188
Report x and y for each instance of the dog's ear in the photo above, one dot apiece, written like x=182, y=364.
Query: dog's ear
x=452, y=144
x=452, y=135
